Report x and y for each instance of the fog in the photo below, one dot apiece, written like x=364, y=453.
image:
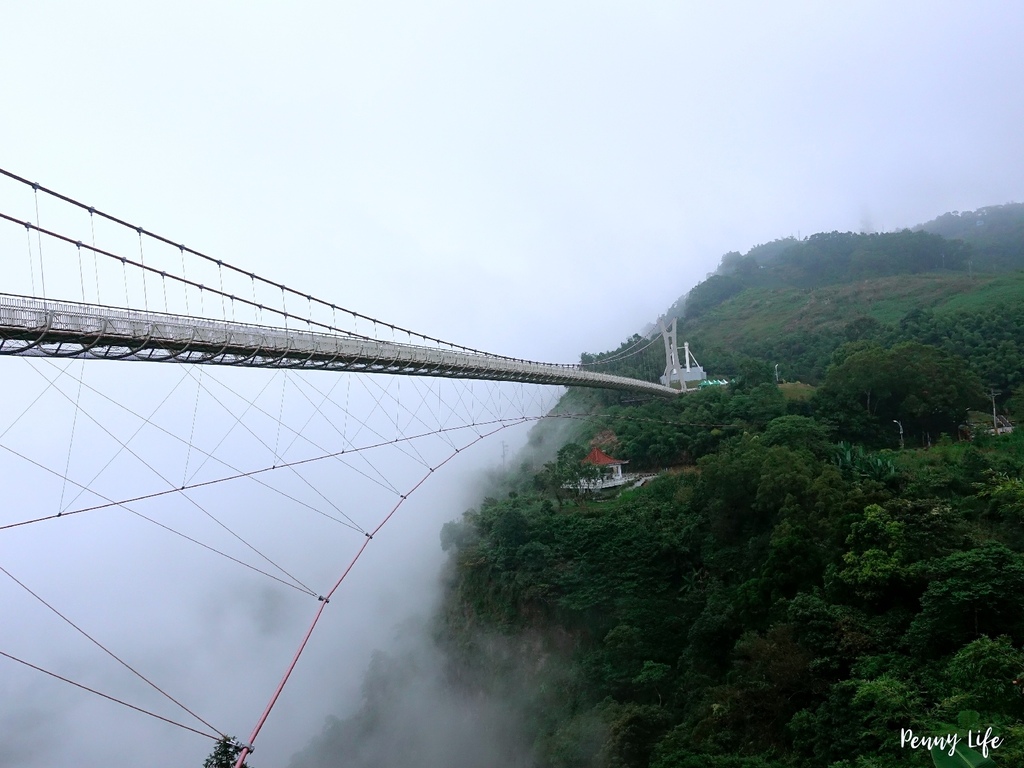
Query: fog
x=536, y=180
x=411, y=713
x=216, y=635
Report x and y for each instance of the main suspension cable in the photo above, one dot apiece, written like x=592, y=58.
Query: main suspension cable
x=246, y=273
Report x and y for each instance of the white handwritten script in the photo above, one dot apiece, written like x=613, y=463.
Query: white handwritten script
x=948, y=743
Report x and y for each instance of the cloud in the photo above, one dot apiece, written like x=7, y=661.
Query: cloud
x=411, y=714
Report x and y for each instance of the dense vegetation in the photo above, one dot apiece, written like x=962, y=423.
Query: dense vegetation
x=794, y=587
x=789, y=601
x=798, y=590
x=995, y=234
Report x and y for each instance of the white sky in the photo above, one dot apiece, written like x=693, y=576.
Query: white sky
x=536, y=179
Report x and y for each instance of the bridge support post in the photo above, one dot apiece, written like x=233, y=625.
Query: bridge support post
x=671, y=377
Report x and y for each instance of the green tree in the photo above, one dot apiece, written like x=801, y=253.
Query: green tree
x=876, y=558
x=568, y=475
x=225, y=754
x=924, y=389
x=798, y=432
x=970, y=594
x=981, y=677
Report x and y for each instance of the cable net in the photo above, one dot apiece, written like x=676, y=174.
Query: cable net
x=169, y=532
x=191, y=519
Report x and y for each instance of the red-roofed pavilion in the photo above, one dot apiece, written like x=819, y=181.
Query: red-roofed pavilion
x=599, y=458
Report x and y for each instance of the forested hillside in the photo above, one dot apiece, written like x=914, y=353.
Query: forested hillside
x=789, y=601
x=995, y=234
x=814, y=568
x=794, y=302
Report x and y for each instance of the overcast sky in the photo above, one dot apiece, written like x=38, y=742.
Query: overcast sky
x=536, y=179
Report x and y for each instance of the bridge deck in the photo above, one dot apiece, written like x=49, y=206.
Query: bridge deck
x=31, y=326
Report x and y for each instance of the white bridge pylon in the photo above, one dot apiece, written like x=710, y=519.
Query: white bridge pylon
x=676, y=374
x=33, y=326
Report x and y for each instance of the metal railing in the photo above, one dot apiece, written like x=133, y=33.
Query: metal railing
x=30, y=326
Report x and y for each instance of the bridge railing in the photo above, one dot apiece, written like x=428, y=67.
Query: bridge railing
x=31, y=326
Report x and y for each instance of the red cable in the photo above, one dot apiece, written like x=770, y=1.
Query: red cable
x=247, y=748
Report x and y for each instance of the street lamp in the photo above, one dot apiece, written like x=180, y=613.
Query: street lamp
x=900, y=425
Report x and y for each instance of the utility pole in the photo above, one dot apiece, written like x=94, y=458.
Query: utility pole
x=504, y=453
x=995, y=421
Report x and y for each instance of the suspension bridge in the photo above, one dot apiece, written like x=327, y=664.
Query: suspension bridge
x=141, y=296
x=38, y=325
x=31, y=326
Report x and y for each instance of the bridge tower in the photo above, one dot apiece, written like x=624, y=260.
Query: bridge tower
x=677, y=376
x=671, y=376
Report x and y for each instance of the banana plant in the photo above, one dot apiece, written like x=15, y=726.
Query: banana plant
x=962, y=756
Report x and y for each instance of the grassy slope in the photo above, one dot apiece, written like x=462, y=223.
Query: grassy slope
x=760, y=313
